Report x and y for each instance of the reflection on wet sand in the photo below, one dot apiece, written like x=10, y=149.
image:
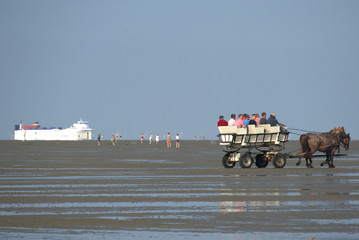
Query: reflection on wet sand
x=81, y=191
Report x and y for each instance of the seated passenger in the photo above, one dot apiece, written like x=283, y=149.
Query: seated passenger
x=246, y=120
x=239, y=121
x=257, y=119
x=253, y=121
x=222, y=122
x=263, y=119
x=272, y=120
x=232, y=120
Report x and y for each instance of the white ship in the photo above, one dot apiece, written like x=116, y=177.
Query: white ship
x=77, y=131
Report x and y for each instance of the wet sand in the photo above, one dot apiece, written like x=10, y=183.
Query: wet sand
x=77, y=190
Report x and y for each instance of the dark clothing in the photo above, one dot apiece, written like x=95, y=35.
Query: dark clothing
x=252, y=122
x=272, y=121
x=263, y=121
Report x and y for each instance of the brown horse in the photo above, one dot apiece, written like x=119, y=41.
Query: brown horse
x=324, y=142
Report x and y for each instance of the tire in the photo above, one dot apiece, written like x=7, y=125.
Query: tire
x=246, y=160
x=279, y=160
x=261, y=161
x=226, y=163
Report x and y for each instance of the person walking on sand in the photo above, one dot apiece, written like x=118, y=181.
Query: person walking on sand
x=142, y=136
x=157, y=138
x=178, y=145
x=99, y=139
x=150, y=139
x=113, y=140
x=116, y=137
x=169, y=140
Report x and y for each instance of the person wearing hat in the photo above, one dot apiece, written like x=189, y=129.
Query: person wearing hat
x=272, y=120
x=222, y=122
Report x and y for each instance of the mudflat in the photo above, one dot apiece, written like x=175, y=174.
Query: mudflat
x=80, y=190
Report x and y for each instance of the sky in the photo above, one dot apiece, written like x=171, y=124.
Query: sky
x=152, y=67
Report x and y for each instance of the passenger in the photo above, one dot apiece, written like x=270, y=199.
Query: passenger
x=257, y=119
x=239, y=121
x=222, y=122
x=263, y=119
x=253, y=121
x=245, y=120
x=272, y=120
x=232, y=120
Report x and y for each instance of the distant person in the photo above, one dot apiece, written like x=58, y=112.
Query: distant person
x=99, y=139
x=232, y=120
x=150, y=139
x=169, y=140
x=272, y=120
x=253, y=121
x=157, y=138
x=263, y=119
x=239, y=121
x=245, y=120
x=113, y=140
x=142, y=136
x=120, y=136
x=178, y=145
x=222, y=122
x=116, y=137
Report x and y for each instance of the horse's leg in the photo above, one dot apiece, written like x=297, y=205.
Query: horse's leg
x=326, y=160
x=299, y=162
x=331, y=165
x=309, y=162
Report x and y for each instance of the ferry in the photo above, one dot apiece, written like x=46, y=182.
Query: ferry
x=77, y=131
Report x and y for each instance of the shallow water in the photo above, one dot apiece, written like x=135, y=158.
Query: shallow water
x=82, y=191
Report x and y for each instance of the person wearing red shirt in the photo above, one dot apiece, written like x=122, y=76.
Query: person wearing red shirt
x=222, y=122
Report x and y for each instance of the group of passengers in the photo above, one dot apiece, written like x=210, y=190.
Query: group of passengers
x=243, y=120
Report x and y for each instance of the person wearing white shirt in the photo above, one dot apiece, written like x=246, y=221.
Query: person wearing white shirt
x=232, y=120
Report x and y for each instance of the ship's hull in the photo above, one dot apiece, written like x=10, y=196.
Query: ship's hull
x=78, y=131
x=53, y=135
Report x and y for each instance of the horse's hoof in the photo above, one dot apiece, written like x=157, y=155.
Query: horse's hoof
x=297, y=164
x=322, y=164
x=331, y=166
x=309, y=166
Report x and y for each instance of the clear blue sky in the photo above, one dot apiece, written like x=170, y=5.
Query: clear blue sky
x=174, y=66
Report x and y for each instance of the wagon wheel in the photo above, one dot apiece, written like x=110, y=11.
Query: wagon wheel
x=246, y=160
x=279, y=160
x=226, y=161
x=261, y=161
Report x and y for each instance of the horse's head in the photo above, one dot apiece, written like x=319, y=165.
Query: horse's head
x=345, y=141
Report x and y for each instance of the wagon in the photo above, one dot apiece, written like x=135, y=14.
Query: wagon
x=253, y=144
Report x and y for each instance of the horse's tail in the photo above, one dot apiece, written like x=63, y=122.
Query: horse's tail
x=305, y=147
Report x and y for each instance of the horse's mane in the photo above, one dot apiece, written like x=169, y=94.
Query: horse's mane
x=338, y=130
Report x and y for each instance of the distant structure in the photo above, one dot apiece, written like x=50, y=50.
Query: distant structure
x=77, y=131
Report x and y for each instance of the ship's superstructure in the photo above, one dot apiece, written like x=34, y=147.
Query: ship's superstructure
x=77, y=131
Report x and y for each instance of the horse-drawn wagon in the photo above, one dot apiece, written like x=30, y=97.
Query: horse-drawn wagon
x=253, y=144
x=262, y=144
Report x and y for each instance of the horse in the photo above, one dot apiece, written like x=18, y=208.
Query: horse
x=324, y=142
